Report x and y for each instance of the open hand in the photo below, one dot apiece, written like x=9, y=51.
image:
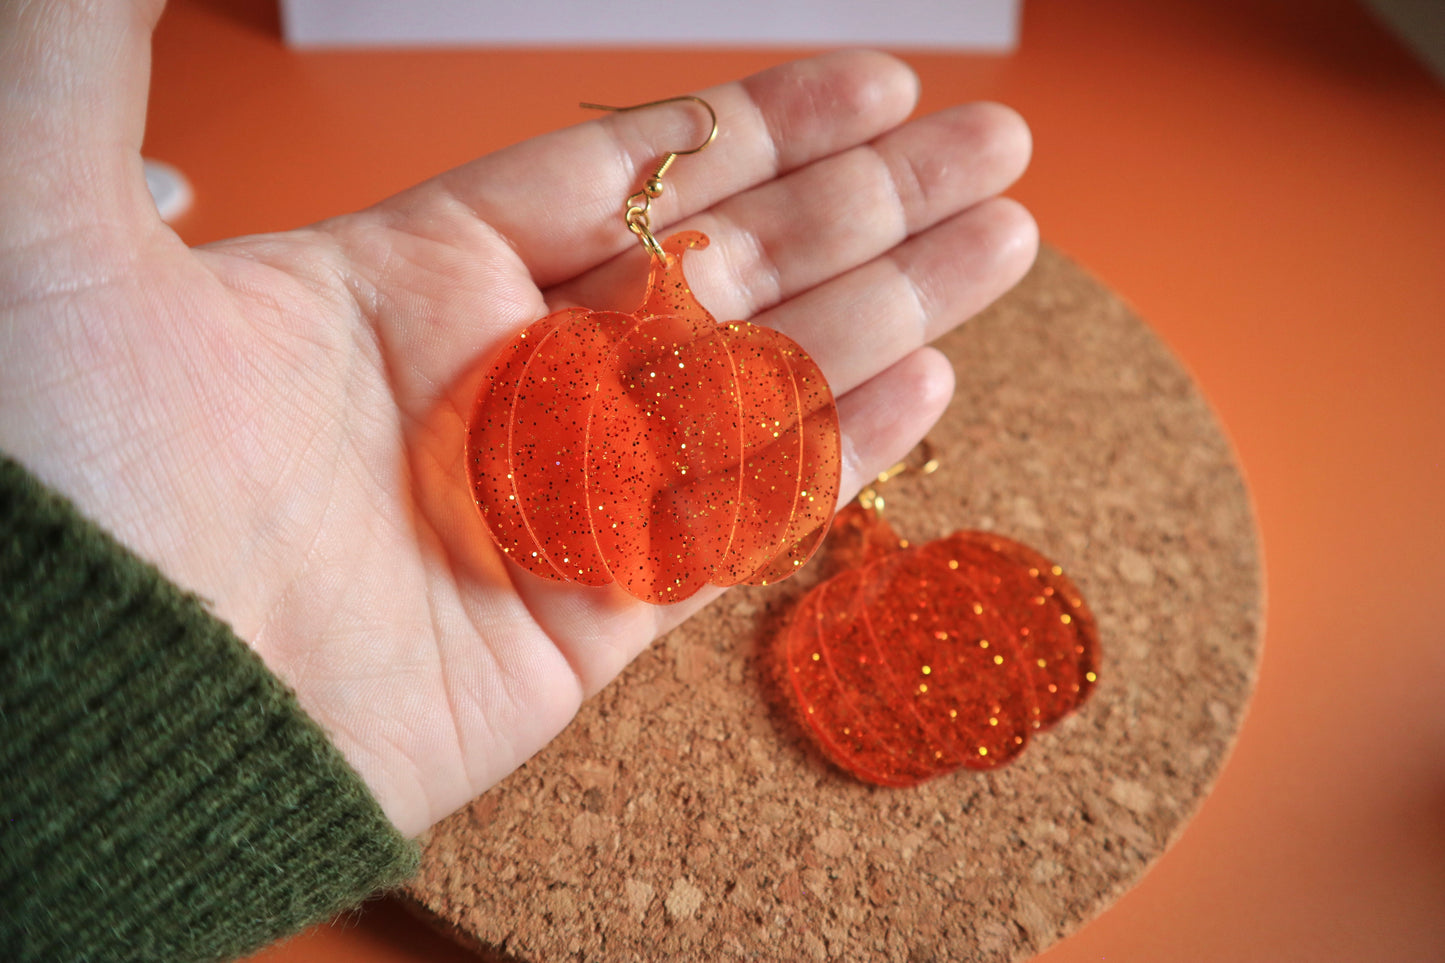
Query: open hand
x=278, y=421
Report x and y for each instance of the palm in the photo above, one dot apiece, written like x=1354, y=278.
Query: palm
x=278, y=422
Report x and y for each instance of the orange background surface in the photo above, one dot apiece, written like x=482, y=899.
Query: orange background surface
x=1265, y=182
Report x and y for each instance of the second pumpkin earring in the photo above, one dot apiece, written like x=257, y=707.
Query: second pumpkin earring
x=916, y=660
x=660, y=449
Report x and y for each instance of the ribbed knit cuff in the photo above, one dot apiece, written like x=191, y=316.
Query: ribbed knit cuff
x=162, y=795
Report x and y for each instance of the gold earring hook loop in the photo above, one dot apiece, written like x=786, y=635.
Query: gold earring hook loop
x=870, y=498
x=640, y=203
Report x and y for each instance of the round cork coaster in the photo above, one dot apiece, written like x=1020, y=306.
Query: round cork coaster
x=684, y=817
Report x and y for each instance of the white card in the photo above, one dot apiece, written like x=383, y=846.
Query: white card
x=918, y=24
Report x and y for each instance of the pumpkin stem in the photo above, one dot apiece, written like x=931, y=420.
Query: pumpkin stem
x=859, y=535
x=668, y=293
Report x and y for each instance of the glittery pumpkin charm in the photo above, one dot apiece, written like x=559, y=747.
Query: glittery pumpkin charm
x=918, y=661
x=659, y=449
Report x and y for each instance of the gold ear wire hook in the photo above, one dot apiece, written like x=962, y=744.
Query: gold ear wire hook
x=639, y=203
x=869, y=497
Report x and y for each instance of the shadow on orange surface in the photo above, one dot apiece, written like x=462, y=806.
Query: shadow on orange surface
x=259, y=16
x=382, y=931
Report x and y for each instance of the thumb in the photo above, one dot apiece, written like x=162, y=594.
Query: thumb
x=73, y=82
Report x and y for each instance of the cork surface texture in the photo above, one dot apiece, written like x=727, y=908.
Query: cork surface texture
x=683, y=816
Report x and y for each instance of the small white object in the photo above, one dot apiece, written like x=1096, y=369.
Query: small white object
x=991, y=25
x=169, y=189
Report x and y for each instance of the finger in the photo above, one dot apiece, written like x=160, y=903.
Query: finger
x=599, y=631
x=73, y=83
x=876, y=314
x=557, y=199
x=844, y=210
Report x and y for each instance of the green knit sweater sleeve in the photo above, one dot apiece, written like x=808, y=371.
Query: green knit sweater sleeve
x=162, y=795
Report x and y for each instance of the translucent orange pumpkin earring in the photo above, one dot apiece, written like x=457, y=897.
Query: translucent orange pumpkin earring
x=915, y=661
x=660, y=449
